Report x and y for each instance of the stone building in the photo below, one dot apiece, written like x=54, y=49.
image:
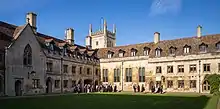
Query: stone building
x=34, y=63
x=179, y=65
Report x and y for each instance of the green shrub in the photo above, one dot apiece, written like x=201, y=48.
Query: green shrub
x=214, y=81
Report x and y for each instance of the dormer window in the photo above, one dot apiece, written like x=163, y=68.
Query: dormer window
x=158, y=52
x=64, y=51
x=172, y=50
x=186, y=49
x=218, y=46
x=133, y=52
x=203, y=47
x=51, y=47
x=121, y=53
x=146, y=51
x=110, y=54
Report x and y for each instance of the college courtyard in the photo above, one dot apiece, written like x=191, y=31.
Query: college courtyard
x=157, y=62
x=109, y=100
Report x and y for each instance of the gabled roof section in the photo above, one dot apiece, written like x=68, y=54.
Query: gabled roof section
x=9, y=33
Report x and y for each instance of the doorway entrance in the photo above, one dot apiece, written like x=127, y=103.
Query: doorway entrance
x=151, y=85
x=49, y=85
x=18, y=91
x=88, y=81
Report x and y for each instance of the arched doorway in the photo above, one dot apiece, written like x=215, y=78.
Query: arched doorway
x=96, y=82
x=18, y=91
x=49, y=85
x=151, y=84
x=206, y=86
x=88, y=81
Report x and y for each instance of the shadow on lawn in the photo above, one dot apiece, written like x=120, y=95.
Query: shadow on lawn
x=107, y=101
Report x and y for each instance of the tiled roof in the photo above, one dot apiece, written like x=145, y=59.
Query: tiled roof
x=9, y=31
x=193, y=42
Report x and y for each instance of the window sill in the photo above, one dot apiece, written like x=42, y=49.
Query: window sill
x=27, y=65
x=203, y=52
x=193, y=72
x=206, y=71
x=49, y=71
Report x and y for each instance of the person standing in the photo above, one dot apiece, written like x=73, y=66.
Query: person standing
x=115, y=88
x=134, y=87
x=138, y=88
x=161, y=89
x=142, y=88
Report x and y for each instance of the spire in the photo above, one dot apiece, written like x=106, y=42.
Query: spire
x=114, y=29
x=90, y=29
x=105, y=27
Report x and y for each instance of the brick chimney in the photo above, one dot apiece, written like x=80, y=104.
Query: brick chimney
x=199, y=31
x=69, y=36
x=156, y=37
x=31, y=18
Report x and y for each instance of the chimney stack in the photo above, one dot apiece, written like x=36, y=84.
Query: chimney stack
x=69, y=36
x=199, y=31
x=31, y=18
x=156, y=37
x=89, y=41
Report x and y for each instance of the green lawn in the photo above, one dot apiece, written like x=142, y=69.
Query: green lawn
x=113, y=101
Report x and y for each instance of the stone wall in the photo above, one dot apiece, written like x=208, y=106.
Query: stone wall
x=151, y=75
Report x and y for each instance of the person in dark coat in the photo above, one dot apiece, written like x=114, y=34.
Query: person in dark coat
x=115, y=88
x=153, y=89
x=134, y=87
x=111, y=88
x=142, y=88
x=161, y=89
x=138, y=88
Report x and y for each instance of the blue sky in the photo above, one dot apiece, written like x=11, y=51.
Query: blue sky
x=136, y=20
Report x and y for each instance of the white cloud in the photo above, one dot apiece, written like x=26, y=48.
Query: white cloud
x=159, y=7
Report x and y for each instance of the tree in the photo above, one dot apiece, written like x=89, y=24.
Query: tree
x=214, y=81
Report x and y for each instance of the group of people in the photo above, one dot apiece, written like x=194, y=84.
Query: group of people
x=87, y=88
x=154, y=89
x=136, y=88
x=157, y=89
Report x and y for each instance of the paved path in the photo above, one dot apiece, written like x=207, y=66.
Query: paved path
x=43, y=95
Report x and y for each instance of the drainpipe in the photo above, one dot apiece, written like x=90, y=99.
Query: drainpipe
x=4, y=74
x=199, y=76
x=93, y=75
x=122, y=75
x=61, y=73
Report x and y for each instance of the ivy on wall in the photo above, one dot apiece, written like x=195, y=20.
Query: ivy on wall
x=214, y=81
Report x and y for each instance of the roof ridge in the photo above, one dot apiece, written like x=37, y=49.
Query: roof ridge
x=183, y=38
x=12, y=26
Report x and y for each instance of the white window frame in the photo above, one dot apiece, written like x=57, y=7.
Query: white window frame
x=186, y=50
x=109, y=55
x=158, y=53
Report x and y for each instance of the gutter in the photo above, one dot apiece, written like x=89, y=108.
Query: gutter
x=4, y=72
